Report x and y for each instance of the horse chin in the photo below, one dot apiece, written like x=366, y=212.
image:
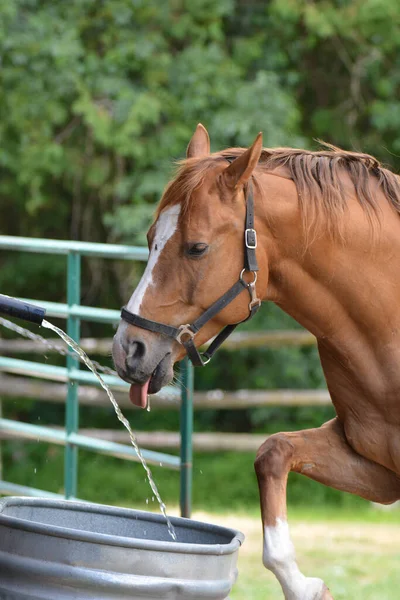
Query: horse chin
x=162, y=375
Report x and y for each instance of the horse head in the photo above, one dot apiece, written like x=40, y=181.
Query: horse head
x=197, y=253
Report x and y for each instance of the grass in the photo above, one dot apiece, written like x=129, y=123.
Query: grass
x=356, y=553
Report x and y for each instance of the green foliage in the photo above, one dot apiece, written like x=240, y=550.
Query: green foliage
x=101, y=95
x=346, y=55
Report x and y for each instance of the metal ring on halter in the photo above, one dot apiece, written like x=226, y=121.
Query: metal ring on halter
x=247, y=283
x=205, y=360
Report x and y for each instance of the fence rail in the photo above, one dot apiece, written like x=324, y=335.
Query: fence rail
x=238, y=339
x=55, y=435
x=170, y=440
x=67, y=247
x=169, y=398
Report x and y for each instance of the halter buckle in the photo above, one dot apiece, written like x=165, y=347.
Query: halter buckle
x=184, y=330
x=250, y=238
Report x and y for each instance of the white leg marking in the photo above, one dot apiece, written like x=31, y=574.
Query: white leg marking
x=280, y=558
x=165, y=228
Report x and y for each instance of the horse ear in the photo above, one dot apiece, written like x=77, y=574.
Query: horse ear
x=240, y=170
x=199, y=145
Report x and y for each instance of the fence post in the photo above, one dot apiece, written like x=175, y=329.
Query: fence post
x=186, y=425
x=72, y=406
x=1, y=442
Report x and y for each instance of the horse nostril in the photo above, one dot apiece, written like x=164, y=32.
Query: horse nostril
x=136, y=351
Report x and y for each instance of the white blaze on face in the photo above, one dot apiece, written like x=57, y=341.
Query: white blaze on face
x=279, y=557
x=165, y=228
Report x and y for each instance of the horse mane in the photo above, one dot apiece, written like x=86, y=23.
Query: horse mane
x=318, y=176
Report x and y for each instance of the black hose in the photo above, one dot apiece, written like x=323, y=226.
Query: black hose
x=22, y=310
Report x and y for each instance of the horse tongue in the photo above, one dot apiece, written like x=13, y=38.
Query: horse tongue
x=138, y=394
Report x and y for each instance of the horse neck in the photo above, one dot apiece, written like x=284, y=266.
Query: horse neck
x=311, y=281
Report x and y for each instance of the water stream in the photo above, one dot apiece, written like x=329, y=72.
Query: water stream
x=93, y=366
x=72, y=344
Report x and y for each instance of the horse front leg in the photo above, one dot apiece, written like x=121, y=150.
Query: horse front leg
x=324, y=455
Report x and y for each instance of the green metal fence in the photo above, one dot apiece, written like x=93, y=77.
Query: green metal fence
x=74, y=312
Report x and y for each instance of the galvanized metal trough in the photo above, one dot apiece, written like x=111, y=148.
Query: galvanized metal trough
x=63, y=550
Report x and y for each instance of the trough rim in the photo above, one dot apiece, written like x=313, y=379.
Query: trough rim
x=113, y=540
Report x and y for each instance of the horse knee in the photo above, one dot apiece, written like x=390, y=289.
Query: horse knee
x=274, y=457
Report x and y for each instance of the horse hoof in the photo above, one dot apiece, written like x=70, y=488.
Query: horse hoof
x=326, y=595
x=317, y=590
x=312, y=588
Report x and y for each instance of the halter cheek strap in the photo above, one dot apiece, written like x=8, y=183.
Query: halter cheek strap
x=185, y=334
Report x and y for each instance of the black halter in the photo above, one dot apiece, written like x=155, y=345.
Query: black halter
x=185, y=334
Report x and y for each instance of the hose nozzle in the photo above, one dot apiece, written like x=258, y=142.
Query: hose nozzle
x=22, y=310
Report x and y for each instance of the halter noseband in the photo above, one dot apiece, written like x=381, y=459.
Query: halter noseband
x=185, y=334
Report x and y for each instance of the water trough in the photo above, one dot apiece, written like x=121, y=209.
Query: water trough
x=64, y=550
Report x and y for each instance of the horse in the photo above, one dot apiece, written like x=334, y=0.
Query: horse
x=324, y=245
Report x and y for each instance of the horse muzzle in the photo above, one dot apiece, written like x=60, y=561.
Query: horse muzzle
x=144, y=361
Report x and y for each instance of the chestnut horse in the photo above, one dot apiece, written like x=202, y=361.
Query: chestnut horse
x=328, y=254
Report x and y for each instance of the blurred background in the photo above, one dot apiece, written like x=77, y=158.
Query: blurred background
x=98, y=98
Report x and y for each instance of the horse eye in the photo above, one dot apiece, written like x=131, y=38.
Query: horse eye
x=196, y=250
